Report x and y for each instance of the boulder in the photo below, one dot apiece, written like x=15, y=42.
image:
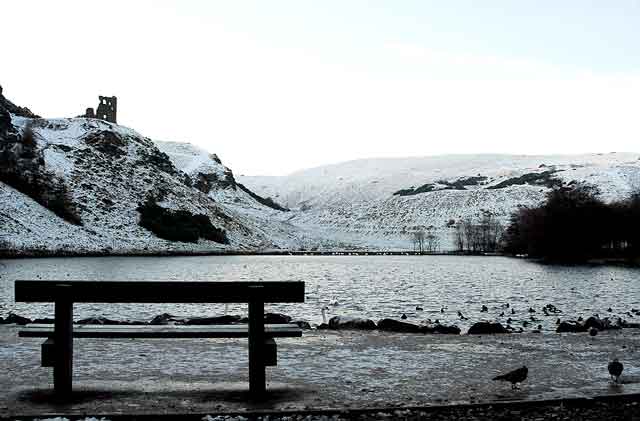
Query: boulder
x=594, y=322
x=276, y=319
x=302, y=324
x=570, y=326
x=217, y=320
x=486, y=328
x=443, y=329
x=133, y=322
x=13, y=318
x=98, y=321
x=391, y=325
x=354, y=323
x=166, y=319
x=44, y=321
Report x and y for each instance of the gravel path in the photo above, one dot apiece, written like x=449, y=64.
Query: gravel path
x=323, y=370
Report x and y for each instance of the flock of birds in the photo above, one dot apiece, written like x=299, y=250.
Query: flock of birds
x=517, y=376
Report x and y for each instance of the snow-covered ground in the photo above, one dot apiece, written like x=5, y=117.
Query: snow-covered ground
x=354, y=201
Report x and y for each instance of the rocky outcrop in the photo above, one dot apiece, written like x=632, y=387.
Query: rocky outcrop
x=351, y=323
x=276, y=319
x=43, y=321
x=22, y=166
x=486, y=328
x=391, y=325
x=98, y=321
x=441, y=329
x=10, y=107
x=592, y=322
x=216, y=320
x=206, y=182
x=166, y=319
x=13, y=318
x=570, y=326
x=178, y=225
x=302, y=324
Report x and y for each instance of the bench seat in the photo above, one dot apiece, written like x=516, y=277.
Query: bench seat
x=163, y=331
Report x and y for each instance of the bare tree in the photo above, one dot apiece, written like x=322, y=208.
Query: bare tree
x=481, y=237
x=418, y=238
x=459, y=236
x=432, y=241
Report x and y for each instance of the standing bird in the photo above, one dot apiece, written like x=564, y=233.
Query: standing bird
x=615, y=369
x=404, y=316
x=514, y=377
x=324, y=314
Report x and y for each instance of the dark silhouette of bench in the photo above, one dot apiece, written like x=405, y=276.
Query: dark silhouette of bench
x=57, y=350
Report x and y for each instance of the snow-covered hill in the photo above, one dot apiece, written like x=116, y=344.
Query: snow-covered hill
x=377, y=203
x=82, y=185
x=91, y=177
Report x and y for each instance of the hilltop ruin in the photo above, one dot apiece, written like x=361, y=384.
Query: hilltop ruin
x=107, y=109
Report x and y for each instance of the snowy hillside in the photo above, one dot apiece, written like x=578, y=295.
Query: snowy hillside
x=92, y=178
x=83, y=185
x=377, y=202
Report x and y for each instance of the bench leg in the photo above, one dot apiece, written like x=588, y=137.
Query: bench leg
x=63, y=338
x=257, y=378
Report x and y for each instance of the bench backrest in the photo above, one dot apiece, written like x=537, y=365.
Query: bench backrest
x=158, y=292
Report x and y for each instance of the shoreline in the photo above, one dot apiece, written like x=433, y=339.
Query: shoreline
x=182, y=253
x=444, y=377
x=37, y=254
x=453, y=411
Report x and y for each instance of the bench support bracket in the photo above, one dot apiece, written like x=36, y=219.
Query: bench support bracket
x=257, y=378
x=48, y=353
x=63, y=339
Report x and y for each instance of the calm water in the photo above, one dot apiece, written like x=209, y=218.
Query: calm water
x=368, y=286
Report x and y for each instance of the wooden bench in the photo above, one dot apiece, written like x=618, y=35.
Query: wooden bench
x=57, y=350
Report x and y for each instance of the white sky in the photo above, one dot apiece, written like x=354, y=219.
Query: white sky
x=276, y=86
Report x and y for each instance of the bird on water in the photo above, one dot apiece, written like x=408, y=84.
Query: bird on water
x=615, y=369
x=514, y=377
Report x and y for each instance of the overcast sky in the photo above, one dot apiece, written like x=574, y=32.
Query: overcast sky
x=276, y=86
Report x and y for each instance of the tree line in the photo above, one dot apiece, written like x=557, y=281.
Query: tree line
x=574, y=224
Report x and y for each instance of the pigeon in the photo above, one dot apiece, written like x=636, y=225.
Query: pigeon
x=501, y=314
x=516, y=376
x=615, y=369
x=484, y=309
x=403, y=317
x=513, y=311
